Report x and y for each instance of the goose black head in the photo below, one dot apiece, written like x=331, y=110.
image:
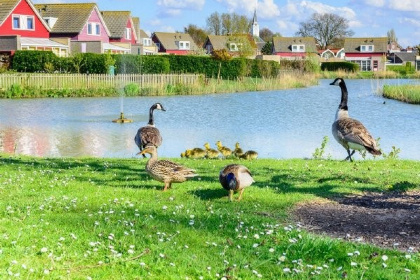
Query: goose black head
x=158, y=106
x=337, y=82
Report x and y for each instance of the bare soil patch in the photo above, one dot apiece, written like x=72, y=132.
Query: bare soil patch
x=388, y=220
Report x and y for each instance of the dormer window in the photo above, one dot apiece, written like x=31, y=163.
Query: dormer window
x=184, y=45
x=366, y=48
x=234, y=47
x=298, y=48
x=23, y=22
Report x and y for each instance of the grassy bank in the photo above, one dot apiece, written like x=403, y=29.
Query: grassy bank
x=366, y=75
x=405, y=93
x=202, y=86
x=90, y=218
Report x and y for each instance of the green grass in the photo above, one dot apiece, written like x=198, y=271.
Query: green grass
x=405, y=93
x=86, y=218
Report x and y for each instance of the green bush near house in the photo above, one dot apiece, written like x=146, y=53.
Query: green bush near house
x=403, y=70
x=342, y=65
x=32, y=61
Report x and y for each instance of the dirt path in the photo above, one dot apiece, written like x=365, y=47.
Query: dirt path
x=389, y=220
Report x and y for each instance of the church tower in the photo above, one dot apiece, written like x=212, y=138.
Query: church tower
x=255, y=28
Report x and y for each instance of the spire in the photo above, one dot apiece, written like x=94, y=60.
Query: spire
x=255, y=28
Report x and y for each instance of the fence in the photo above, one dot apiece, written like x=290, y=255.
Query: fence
x=79, y=81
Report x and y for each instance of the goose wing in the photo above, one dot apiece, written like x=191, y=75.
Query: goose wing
x=148, y=135
x=354, y=131
x=169, y=168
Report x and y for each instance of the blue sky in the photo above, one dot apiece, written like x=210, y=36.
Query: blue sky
x=372, y=18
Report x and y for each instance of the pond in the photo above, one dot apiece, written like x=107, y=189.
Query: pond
x=277, y=124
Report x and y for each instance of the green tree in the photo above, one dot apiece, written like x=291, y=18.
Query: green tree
x=199, y=35
x=268, y=48
x=214, y=24
x=226, y=24
x=325, y=28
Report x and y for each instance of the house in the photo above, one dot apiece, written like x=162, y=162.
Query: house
x=331, y=54
x=148, y=47
x=22, y=28
x=368, y=53
x=294, y=47
x=234, y=44
x=82, y=23
x=122, y=29
x=174, y=43
x=402, y=58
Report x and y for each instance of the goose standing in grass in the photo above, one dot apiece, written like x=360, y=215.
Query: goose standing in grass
x=149, y=134
x=165, y=171
x=235, y=177
x=351, y=133
x=225, y=151
x=211, y=153
x=238, y=151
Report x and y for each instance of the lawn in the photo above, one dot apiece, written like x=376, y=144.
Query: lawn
x=89, y=218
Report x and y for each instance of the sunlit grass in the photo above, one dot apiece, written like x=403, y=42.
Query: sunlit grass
x=406, y=93
x=90, y=218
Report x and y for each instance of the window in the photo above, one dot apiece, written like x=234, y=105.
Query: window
x=128, y=33
x=365, y=65
x=16, y=22
x=23, y=22
x=366, y=48
x=147, y=42
x=298, y=48
x=184, y=45
x=94, y=28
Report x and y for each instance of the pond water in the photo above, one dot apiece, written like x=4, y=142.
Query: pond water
x=277, y=124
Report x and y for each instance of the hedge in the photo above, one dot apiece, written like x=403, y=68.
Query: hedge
x=342, y=65
x=42, y=61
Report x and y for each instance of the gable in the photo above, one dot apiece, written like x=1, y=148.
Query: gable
x=23, y=11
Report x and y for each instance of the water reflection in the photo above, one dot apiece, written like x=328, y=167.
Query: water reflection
x=277, y=124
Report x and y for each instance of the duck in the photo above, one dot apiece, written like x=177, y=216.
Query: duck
x=195, y=153
x=225, y=151
x=238, y=151
x=165, y=171
x=211, y=153
x=351, y=133
x=234, y=178
x=249, y=155
x=149, y=134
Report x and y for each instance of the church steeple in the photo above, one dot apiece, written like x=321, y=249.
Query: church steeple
x=255, y=26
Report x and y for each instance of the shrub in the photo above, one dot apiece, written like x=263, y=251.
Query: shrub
x=132, y=89
x=342, y=65
x=32, y=61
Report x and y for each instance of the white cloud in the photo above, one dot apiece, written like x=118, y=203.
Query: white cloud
x=287, y=28
x=317, y=7
x=406, y=5
x=184, y=4
x=410, y=22
x=267, y=9
x=375, y=3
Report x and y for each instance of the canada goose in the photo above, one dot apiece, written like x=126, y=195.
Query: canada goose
x=211, y=153
x=149, y=134
x=351, y=133
x=237, y=151
x=222, y=149
x=249, y=155
x=166, y=171
x=235, y=177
